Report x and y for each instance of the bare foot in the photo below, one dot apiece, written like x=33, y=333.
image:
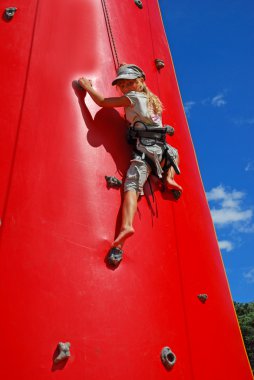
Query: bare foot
x=124, y=234
x=172, y=185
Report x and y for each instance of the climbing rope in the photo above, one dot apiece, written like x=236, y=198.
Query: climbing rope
x=110, y=34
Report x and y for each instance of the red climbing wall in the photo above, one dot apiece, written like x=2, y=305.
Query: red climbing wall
x=59, y=218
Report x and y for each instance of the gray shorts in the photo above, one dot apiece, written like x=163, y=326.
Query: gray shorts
x=136, y=176
x=139, y=169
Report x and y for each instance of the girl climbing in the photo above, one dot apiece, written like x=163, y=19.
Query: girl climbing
x=143, y=111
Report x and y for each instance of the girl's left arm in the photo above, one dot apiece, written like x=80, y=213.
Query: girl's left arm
x=121, y=101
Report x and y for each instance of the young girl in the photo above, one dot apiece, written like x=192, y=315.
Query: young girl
x=143, y=110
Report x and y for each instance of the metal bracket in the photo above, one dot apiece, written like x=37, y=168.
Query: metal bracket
x=9, y=13
x=63, y=352
x=113, y=182
x=159, y=63
x=168, y=358
x=139, y=3
x=203, y=297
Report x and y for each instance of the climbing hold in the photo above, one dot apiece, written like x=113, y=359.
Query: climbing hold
x=168, y=358
x=139, y=3
x=159, y=63
x=176, y=193
x=170, y=130
x=9, y=13
x=63, y=352
x=114, y=257
x=113, y=182
x=203, y=297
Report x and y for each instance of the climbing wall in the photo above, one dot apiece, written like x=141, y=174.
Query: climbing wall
x=58, y=217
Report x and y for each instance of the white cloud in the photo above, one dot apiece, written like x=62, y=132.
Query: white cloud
x=218, y=100
x=220, y=193
x=243, y=121
x=227, y=209
x=188, y=106
x=228, y=216
x=215, y=101
x=226, y=245
x=249, y=167
x=249, y=276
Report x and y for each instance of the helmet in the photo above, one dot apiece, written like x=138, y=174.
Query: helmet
x=129, y=71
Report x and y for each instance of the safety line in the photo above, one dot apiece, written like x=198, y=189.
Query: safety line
x=13, y=160
x=110, y=34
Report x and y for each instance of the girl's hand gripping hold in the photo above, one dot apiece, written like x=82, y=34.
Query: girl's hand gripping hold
x=85, y=83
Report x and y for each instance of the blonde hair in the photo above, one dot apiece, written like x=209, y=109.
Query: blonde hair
x=154, y=103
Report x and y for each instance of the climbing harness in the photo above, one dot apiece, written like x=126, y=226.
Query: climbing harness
x=150, y=135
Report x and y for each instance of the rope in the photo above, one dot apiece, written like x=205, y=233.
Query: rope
x=110, y=34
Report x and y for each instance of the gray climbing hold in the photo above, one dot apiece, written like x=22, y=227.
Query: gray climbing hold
x=203, y=297
x=139, y=3
x=114, y=257
x=9, y=13
x=170, y=130
x=63, y=352
x=113, y=182
x=159, y=63
x=168, y=358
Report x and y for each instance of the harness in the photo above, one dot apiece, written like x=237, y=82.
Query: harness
x=150, y=135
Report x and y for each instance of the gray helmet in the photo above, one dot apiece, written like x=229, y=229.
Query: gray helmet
x=129, y=71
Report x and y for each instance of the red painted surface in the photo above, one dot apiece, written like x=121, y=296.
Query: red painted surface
x=58, y=217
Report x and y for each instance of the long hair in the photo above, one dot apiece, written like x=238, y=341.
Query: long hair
x=154, y=103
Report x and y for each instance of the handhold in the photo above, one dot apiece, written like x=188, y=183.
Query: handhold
x=139, y=3
x=176, y=193
x=170, y=130
x=203, y=297
x=159, y=63
x=168, y=358
x=114, y=257
x=63, y=352
x=9, y=13
x=113, y=182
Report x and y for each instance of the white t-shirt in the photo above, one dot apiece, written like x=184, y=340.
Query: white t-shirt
x=139, y=111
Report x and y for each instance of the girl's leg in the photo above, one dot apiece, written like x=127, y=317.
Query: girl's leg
x=129, y=209
x=171, y=184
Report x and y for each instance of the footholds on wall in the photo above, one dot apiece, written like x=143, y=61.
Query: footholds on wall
x=63, y=352
x=9, y=13
x=139, y=3
x=159, y=63
x=113, y=182
x=203, y=297
x=168, y=358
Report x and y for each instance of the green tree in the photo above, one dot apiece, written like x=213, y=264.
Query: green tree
x=245, y=314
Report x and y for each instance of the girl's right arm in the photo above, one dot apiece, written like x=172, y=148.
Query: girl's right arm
x=121, y=101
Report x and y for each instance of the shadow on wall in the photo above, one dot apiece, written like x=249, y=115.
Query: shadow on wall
x=107, y=128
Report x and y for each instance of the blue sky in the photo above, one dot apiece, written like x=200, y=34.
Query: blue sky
x=212, y=44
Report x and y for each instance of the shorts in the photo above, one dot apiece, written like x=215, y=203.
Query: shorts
x=140, y=170
x=137, y=175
